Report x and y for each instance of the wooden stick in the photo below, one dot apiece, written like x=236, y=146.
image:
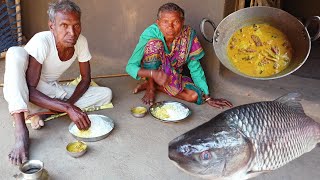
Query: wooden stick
x=96, y=77
x=18, y=19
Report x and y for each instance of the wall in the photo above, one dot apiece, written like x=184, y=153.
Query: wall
x=113, y=27
x=304, y=9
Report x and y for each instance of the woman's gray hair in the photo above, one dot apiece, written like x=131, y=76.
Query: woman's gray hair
x=62, y=6
x=170, y=7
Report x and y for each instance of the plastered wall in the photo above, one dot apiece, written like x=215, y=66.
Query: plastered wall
x=113, y=27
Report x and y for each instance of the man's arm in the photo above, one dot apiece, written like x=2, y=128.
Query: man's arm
x=33, y=76
x=83, y=85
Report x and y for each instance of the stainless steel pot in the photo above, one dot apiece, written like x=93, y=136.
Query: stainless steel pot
x=296, y=32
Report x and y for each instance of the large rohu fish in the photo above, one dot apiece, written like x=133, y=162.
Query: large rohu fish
x=247, y=140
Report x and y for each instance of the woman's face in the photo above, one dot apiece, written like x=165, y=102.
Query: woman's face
x=170, y=24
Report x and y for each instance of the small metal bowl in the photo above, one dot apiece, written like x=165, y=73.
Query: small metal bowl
x=139, y=111
x=31, y=169
x=77, y=148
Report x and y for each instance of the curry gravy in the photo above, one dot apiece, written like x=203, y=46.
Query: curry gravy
x=259, y=50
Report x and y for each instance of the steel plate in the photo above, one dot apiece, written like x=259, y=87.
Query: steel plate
x=93, y=118
x=181, y=110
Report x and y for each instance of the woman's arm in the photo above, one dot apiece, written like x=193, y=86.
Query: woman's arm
x=199, y=79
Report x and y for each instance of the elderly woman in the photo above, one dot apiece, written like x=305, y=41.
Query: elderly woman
x=163, y=50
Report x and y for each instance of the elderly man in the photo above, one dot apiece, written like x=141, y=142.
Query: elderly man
x=164, y=49
x=32, y=72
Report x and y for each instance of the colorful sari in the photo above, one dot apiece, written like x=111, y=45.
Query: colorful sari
x=184, y=48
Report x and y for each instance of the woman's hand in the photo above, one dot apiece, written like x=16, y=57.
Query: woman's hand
x=218, y=103
x=159, y=77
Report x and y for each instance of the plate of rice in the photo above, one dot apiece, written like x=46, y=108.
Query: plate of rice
x=169, y=111
x=101, y=127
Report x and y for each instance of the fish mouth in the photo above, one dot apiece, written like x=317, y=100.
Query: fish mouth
x=177, y=156
x=187, y=167
x=174, y=155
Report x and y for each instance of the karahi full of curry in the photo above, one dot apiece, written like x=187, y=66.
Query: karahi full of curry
x=296, y=42
x=259, y=50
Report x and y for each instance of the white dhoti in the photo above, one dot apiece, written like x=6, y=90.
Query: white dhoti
x=16, y=91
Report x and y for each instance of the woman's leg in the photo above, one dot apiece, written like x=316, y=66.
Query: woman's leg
x=186, y=95
x=153, y=54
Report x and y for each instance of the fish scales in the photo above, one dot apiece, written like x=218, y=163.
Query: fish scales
x=263, y=123
x=245, y=141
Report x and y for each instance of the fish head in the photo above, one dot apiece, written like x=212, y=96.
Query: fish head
x=213, y=154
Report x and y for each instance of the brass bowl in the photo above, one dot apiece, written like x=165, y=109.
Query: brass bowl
x=31, y=169
x=77, y=148
x=139, y=111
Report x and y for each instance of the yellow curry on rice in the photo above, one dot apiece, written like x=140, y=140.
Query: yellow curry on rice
x=259, y=50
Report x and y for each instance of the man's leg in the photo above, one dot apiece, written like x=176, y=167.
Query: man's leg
x=94, y=96
x=20, y=151
x=154, y=52
x=52, y=90
x=16, y=94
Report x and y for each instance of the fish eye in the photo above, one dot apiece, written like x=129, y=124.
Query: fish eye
x=205, y=155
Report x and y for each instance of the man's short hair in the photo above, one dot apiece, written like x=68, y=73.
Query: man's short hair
x=170, y=7
x=62, y=6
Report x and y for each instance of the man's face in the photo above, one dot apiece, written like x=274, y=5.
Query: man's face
x=170, y=24
x=66, y=28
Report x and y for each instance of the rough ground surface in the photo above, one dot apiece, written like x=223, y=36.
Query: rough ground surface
x=138, y=148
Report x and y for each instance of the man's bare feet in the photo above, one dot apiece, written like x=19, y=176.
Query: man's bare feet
x=20, y=151
x=36, y=121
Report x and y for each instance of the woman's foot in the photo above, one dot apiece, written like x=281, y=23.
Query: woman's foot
x=20, y=151
x=140, y=87
x=150, y=94
x=149, y=97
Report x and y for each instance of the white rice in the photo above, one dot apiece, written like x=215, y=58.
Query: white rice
x=98, y=128
x=171, y=112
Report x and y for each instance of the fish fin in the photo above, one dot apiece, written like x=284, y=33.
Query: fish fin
x=252, y=174
x=292, y=100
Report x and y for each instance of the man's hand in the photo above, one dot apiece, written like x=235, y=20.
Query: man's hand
x=80, y=118
x=159, y=77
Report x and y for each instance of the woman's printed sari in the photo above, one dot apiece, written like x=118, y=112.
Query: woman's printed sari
x=184, y=48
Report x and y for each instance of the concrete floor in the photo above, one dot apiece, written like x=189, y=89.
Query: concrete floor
x=138, y=148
